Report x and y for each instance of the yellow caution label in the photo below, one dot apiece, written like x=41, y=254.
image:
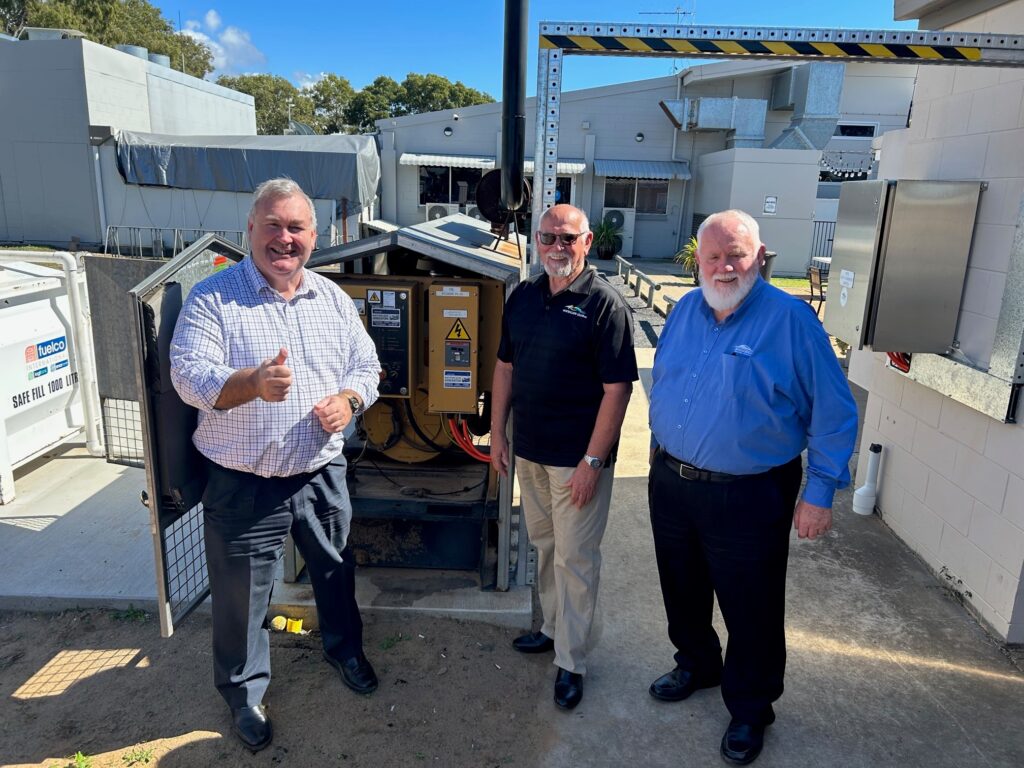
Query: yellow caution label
x=373, y=296
x=458, y=332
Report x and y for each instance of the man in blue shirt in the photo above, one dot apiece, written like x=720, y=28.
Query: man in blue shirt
x=744, y=380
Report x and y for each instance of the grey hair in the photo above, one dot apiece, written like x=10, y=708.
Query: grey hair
x=744, y=218
x=274, y=189
x=584, y=221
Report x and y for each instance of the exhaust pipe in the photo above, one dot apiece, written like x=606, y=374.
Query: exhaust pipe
x=513, y=105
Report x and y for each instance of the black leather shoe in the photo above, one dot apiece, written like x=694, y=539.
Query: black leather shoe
x=742, y=742
x=252, y=726
x=679, y=684
x=533, y=642
x=357, y=672
x=568, y=689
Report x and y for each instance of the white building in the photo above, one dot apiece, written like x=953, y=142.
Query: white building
x=668, y=151
x=55, y=93
x=952, y=484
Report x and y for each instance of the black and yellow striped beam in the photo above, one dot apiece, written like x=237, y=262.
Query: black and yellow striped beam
x=915, y=47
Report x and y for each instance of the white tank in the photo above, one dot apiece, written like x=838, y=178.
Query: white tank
x=39, y=390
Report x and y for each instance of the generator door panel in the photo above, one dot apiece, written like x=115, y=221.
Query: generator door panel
x=388, y=311
x=454, y=360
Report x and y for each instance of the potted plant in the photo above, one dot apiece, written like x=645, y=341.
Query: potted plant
x=606, y=239
x=687, y=257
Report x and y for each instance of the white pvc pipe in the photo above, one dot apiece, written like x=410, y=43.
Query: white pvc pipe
x=864, y=497
x=81, y=327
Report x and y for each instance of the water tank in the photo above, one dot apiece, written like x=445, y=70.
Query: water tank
x=134, y=50
x=160, y=58
x=39, y=390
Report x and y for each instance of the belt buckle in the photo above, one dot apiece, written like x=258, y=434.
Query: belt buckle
x=688, y=472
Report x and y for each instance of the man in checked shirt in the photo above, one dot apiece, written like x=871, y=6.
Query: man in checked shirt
x=276, y=359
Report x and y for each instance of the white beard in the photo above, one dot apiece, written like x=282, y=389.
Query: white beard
x=723, y=296
x=559, y=271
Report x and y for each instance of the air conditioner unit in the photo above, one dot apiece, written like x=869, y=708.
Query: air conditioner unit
x=625, y=220
x=433, y=211
x=474, y=212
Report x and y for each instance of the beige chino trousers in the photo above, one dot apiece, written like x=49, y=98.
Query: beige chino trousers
x=568, y=542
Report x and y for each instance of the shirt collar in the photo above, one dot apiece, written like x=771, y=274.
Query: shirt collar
x=581, y=285
x=259, y=283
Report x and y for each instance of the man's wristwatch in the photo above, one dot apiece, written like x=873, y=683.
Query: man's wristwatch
x=592, y=461
x=355, y=404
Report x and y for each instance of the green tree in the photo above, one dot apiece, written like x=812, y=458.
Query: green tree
x=430, y=93
x=273, y=95
x=375, y=102
x=123, y=22
x=331, y=96
x=12, y=16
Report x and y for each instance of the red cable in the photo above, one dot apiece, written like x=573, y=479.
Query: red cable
x=465, y=443
x=900, y=361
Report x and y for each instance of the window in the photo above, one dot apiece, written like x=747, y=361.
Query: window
x=441, y=184
x=645, y=195
x=651, y=196
x=619, y=193
x=854, y=131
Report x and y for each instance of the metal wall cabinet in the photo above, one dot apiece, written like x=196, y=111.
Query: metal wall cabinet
x=899, y=263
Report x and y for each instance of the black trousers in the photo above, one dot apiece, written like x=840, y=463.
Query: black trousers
x=246, y=520
x=728, y=540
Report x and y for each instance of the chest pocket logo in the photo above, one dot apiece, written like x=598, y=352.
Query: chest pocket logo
x=575, y=311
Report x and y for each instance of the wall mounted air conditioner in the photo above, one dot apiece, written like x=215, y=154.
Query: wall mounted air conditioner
x=625, y=220
x=433, y=211
x=474, y=212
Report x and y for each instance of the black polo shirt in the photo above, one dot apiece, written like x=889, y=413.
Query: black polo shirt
x=563, y=349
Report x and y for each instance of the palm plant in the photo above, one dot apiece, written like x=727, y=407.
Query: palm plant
x=687, y=257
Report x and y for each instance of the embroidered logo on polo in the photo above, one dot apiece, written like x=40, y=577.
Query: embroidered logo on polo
x=575, y=312
x=743, y=350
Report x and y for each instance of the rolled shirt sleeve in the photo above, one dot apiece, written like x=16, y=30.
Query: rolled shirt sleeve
x=198, y=358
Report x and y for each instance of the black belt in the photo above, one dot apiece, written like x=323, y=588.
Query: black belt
x=695, y=474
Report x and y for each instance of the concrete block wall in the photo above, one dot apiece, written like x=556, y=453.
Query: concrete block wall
x=951, y=485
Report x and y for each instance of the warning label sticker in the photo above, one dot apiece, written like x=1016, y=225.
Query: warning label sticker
x=457, y=379
x=385, y=318
x=360, y=306
x=373, y=296
x=458, y=332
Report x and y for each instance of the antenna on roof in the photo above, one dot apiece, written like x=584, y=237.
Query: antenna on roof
x=679, y=12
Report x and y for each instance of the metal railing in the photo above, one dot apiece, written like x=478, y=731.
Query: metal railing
x=821, y=239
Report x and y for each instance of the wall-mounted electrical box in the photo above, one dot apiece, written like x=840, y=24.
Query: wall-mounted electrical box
x=454, y=347
x=899, y=262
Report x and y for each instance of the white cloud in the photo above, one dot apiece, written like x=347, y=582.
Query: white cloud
x=232, y=48
x=305, y=79
x=212, y=20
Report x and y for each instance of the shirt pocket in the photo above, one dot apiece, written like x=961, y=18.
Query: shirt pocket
x=736, y=373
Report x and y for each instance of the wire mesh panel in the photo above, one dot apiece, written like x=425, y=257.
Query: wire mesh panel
x=122, y=432
x=185, y=561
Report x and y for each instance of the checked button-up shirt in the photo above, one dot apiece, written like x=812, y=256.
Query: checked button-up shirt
x=234, y=320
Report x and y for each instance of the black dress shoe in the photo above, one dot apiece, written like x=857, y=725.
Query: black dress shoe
x=568, y=689
x=357, y=672
x=679, y=684
x=533, y=642
x=742, y=742
x=252, y=726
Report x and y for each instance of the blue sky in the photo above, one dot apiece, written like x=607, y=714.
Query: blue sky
x=462, y=39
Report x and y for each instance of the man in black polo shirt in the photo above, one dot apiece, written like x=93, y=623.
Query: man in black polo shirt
x=566, y=368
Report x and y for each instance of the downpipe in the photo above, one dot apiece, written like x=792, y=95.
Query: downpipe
x=865, y=496
x=81, y=327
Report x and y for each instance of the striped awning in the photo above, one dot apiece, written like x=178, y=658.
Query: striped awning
x=568, y=167
x=451, y=161
x=642, y=169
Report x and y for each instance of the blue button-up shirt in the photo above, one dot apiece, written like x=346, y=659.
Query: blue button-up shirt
x=750, y=393
x=235, y=320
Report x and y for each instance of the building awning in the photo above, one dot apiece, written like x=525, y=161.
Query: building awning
x=567, y=167
x=451, y=161
x=642, y=169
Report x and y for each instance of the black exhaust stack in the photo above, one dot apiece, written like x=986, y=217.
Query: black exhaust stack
x=513, y=106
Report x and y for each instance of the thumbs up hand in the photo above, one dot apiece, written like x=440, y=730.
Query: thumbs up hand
x=274, y=378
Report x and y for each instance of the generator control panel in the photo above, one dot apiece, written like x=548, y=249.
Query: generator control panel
x=454, y=352
x=388, y=311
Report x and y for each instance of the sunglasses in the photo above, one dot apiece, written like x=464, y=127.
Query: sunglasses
x=566, y=238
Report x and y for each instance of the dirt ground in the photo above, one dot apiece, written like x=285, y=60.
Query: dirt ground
x=105, y=684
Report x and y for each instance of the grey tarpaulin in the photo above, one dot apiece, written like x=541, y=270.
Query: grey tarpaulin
x=326, y=167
